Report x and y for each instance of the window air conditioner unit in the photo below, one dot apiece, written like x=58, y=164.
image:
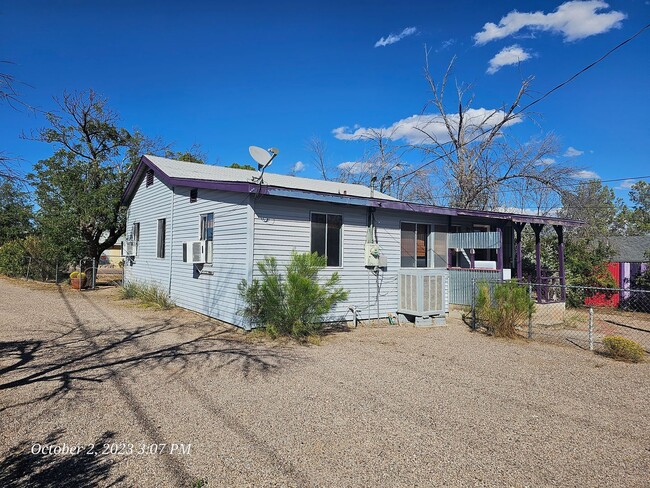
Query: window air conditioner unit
x=196, y=252
x=129, y=248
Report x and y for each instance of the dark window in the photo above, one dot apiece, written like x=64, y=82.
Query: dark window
x=326, y=237
x=135, y=232
x=415, y=245
x=149, y=177
x=194, y=195
x=482, y=254
x=160, y=248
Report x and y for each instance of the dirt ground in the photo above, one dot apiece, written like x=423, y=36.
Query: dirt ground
x=99, y=392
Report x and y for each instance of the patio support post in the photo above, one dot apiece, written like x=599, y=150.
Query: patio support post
x=537, y=229
x=519, y=227
x=500, y=250
x=472, y=258
x=560, y=253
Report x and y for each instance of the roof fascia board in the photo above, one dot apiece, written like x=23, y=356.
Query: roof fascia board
x=246, y=187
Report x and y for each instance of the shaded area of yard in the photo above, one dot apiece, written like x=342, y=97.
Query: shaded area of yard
x=372, y=407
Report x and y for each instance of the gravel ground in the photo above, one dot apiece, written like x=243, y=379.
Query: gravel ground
x=370, y=407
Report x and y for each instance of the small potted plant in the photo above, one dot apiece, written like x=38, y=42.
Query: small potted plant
x=78, y=280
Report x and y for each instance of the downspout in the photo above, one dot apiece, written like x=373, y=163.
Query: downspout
x=171, y=243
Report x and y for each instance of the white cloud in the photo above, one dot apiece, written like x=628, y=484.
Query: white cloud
x=298, y=167
x=545, y=162
x=574, y=20
x=508, y=55
x=416, y=129
x=625, y=185
x=586, y=175
x=393, y=38
x=444, y=45
x=572, y=152
x=355, y=167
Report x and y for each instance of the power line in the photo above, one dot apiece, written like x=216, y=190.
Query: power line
x=537, y=100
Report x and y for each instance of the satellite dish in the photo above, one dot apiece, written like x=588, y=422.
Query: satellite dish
x=263, y=157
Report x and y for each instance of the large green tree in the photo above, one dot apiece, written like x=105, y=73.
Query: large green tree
x=78, y=189
x=15, y=212
x=636, y=219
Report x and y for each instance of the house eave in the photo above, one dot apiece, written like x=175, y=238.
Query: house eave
x=262, y=189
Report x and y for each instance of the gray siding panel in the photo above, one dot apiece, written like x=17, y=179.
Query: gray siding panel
x=214, y=295
x=150, y=204
x=284, y=225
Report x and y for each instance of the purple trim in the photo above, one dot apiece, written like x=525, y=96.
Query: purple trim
x=518, y=228
x=500, y=250
x=245, y=187
x=560, y=254
x=537, y=229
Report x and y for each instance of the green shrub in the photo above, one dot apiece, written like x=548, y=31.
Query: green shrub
x=149, y=295
x=13, y=261
x=294, y=305
x=624, y=349
x=503, y=308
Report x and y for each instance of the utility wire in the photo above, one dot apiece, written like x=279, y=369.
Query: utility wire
x=537, y=100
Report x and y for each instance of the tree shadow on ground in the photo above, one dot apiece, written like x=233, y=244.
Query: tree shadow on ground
x=21, y=467
x=81, y=353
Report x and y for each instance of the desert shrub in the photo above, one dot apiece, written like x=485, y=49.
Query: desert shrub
x=624, y=349
x=148, y=295
x=291, y=305
x=503, y=307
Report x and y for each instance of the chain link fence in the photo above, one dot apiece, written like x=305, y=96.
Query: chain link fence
x=34, y=269
x=583, y=320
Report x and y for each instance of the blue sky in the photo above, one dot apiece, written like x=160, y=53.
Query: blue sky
x=230, y=75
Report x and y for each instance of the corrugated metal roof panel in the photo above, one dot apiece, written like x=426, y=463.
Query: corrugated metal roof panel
x=185, y=170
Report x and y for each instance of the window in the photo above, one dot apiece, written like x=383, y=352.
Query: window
x=160, y=248
x=206, y=232
x=415, y=245
x=483, y=254
x=194, y=195
x=326, y=237
x=135, y=232
x=440, y=247
x=149, y=178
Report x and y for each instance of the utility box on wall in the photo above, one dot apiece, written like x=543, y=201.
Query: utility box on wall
x=374, y=257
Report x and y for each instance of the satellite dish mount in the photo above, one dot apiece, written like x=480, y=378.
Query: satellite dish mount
x=263, y=157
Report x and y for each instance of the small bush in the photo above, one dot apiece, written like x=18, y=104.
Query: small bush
x=624, y=349
x=149, y=295
x=291, y=305
x=504, y=309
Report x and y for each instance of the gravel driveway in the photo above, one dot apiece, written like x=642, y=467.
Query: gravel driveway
x=369, y=407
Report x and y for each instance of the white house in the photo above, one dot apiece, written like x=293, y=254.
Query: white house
x=197, y=230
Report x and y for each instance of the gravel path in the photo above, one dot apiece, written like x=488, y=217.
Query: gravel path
x=371, y=407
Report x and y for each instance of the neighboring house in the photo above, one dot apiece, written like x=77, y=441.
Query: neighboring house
x=198, y=230
x=629, y=261
x=113, y=255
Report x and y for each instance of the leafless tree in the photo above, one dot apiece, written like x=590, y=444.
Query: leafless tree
x=470, y=154
x=318, y=150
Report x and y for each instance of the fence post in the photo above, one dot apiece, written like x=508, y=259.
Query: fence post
x=94, y=274
x=473, y=303
x=29, y=265
x=591, y=328
x=530, y=311
x=56, y=273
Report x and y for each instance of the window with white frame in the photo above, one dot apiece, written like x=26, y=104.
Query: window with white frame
x=415, y=245
x=206, y=232
x=326, y=237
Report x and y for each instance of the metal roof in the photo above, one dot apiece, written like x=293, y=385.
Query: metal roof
x=194, y=171
x=181, y=173
x=630, y=249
